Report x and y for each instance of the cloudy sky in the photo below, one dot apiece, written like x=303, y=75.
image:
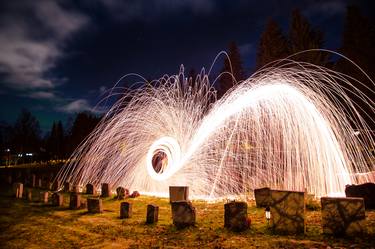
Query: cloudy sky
x=59, y=57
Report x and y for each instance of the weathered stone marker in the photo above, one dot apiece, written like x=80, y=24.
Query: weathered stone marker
x=94, y=205
x=262, y=197
x=67, y=187
x=135, y=194
x=75, y=201
x=235, y=216
x=33, y=180
x=287, y=211
x=343, y=216
x=57, y=199
x=152, y=214
x=125, y=210
x=43, y=197
x=106, y=191
x=365, y=191
x=90, y=189
x=178, y=193
x=183, y=214
x=122, y=193
x=29, y=194
x=18, y=189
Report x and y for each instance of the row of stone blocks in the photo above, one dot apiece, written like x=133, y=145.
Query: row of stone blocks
x=340, y=216
x=121, y=192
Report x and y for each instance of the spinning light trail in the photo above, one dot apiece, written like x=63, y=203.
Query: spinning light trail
x=291, y=127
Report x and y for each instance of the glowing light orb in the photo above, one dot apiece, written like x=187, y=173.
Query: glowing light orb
x=162, y=156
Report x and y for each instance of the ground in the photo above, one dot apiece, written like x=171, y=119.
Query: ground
x=26, y=224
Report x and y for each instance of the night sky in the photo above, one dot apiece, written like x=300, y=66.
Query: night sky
x=58, y=57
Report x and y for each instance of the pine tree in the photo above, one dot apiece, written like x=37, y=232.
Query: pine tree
x=358, y=41
x=232, y=71
x=303, y=37
x=273, y=45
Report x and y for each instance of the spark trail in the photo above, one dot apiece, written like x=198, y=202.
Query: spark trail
x=291, y=127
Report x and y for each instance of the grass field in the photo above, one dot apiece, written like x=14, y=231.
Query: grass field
x=34, y=225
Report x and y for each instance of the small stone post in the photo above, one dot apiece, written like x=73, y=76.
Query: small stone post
x=105, y=190
x=43, y=197
x=39, y=182
x=125, y=210
x=57, y=199
x=75, y=201
x=29, y=194
x=183, y=214
x=235, y=216
x=152, y=214
x=33, y=180
x=94, y=205
x=122, y=193
x=90, y=189
x=18, y=190
x=178, y=193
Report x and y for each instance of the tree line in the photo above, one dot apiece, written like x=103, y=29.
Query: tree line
x=23, y=142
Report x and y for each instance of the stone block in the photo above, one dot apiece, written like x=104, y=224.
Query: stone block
x=287, y=211
x=106, y=190
x=18, y=190
x=365, y=191
x=57, y=199
x=262, y=197
x=75, y=201
x=90, y=190
x=178, y=193
x=39, y=182
x=33, y=180
x=183, y=214
x=152, y=214
x=67, y=187
x=122, y=193
x=94, y=205
x=125, y=210
x=235, y=216
x=343, y=216
x=135, y=194
x=43, y=197
x=29, y=194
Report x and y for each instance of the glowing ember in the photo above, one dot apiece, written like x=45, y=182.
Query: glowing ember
x=285, y=128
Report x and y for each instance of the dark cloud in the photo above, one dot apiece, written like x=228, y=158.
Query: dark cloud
x=147, y=10
x=28, y=51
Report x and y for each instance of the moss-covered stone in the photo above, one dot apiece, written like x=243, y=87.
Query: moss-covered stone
x=287, y=211
x=343, y=216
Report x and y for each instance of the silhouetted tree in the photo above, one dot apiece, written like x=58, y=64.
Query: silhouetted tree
x=232, y=65
x=83, y=125
x=26, y=133
x=273, y=45
x=303, y=37
x=55, y=143
x=358, y=40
